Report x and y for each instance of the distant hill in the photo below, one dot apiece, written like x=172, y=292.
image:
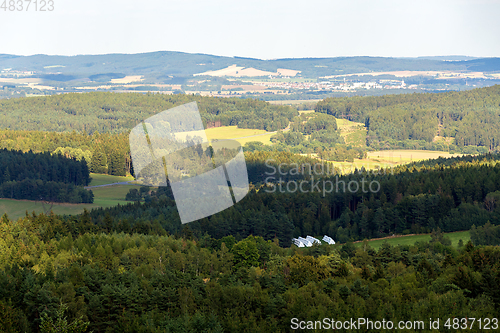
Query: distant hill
x=169, y=63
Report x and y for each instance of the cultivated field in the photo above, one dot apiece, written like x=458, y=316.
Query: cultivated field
x=242, y=135
x=406, y=156
x=237, y=71
x=128, y=79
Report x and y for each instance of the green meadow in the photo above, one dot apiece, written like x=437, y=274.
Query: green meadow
x=412, y=239
x=107, y=196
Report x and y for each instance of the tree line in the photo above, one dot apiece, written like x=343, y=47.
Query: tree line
x=43, y=176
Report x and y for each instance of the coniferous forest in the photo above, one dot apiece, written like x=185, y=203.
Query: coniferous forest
x=137, y=268
x=43, y=177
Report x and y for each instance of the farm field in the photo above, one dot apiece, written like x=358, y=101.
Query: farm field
x=391, y=158
x=412, y=239
x=242, y=135
x=387, y=159
x=406, y=156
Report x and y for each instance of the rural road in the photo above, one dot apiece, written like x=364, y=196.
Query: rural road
x=112, y=184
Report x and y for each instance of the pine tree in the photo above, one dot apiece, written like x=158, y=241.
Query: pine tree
x=6, y=175
x=99, y=162
x=116, y=164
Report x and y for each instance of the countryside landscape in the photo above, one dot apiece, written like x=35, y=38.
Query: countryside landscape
x=367, y=134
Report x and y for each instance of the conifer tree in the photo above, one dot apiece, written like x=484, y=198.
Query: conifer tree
x=99, y=162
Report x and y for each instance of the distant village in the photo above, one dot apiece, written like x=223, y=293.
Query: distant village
x=339, y=86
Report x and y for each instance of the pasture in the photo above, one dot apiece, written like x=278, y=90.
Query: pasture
x=107, y=196
x=98, y=179
x=412, y=239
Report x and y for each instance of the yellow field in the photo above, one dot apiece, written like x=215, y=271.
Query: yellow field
x=128, y=79
x=237, y=71
x=407, y=156
x=387, y=159
x=242, y=135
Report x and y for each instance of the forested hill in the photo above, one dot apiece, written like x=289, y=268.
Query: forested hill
x=470, y=117
x=182, y=64
x=115, y=112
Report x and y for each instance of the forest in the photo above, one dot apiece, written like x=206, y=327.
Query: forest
x=43, y=176
x=414, y=198
x=106, y=112
x=57, y=273
x=136, y=268
x=469, y=117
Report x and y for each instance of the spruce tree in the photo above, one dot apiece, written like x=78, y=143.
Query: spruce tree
x=99, y=162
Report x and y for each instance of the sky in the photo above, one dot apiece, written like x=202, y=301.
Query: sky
x=267, y=29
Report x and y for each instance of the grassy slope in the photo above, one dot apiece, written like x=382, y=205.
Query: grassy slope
x=410, y=240
x=98, y=179
x=353, y=133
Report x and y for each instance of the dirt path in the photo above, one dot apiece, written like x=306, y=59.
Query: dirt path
x=112, y=184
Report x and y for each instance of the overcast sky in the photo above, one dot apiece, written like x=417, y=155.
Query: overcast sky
x=256, y=28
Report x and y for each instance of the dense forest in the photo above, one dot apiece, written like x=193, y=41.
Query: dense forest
x=104, y=153
x=470, y=117
x=43, y=176
x=414, y=198
x=115, y=112
x=55, y=273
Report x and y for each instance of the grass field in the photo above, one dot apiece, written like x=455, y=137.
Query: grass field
x=353, y=133
x=410, y=240
x=108, y=196
x=98, y=179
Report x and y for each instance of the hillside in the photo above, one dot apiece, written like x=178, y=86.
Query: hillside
x=469, y=118
x=181, y=64
x=115, y=113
